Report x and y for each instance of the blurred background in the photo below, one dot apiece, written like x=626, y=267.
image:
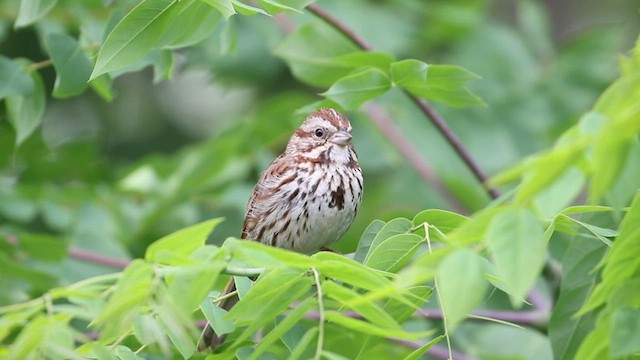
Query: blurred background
x=178, y=146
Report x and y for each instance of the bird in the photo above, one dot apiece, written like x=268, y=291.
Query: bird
x=306, y=199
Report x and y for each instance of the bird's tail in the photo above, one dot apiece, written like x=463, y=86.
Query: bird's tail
x=209, y=338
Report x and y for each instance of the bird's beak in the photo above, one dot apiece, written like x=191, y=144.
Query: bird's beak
x=341, y=138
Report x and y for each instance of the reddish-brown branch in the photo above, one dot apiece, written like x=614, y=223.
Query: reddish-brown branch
x=413, y=156
x=424, y=106
x=98, y=259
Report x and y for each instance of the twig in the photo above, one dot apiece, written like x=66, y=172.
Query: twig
x=424, y=106
x=98, y=259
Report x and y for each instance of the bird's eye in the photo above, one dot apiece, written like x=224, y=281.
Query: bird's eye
x=319, y=132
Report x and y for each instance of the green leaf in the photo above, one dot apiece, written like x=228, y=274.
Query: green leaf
x=419, y=352
x=134, y=36
x=191, y=284
x=73, y=67
x=102, y=85
x=310, y=51
x=415, y=297
x=33, y=10
x=298, y=351
x=367, y=238
x=271, y=295
x=273, y=7
x=247, y=10
x=124, y=353
x=25, y=111
x=599, y=232
x=567, y=331
x=560, y=193
x=192, y=22
x=284, y=325
x=174, y=325
x=130, y=292
x=394, y=252
x=444, y=83
x=544, y=169
x=257, y=254
x=14, y=80
x=517, y=243
x=622, y=262
x=394, y=227
x=596, y=345
x=371, y=329
x=443, y=220
x=225, y=7
x=180, y=244
x=30, y=339
x=344, y=269
x=460, y=273
x=474, y=229
x=625, y=332
x=354, y=90
x=368, y=309
x=216, y=317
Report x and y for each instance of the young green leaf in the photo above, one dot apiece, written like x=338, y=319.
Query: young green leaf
x=443, y=220
x=25, y=111
x=261, y=255
x=130, y=291
x=284, y=325
x=622, y=262
x=190, y=284
x=193, y=22
x=566, y=331
x=273, y=7
x=393, y=253
x=14, y=80
x=176, y=326
x=354, y=90
x=298, y=350
x=216, y=317
x=309, y=52
x=247, y=10
x=419, y=352
x=444, y=83
x=225, y=7
x=371, y=329
x=73, y=67
x=32, y=10
x=517, y=243
x=180, y=244
x=625, y=332
x=271, y=295
x=461, y=285
x=393, y=227
x=368, y=309
x=366, y=239
x=134, y=36
x=344, y=269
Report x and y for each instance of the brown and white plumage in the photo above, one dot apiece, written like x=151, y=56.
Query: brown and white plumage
x=307, y=198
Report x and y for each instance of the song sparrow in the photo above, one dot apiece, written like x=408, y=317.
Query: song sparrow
x=307, y=198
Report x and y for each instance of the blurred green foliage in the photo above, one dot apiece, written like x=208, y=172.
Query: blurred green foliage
x=175, y=127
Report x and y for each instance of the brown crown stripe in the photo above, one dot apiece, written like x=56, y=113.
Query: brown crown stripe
x=335, y=118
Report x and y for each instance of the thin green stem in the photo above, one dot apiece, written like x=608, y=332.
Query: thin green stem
x=435, y=284
x=225, y=296
x=316, y=278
